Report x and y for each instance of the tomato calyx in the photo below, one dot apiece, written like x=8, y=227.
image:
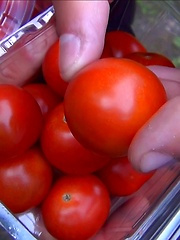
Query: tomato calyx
x=66, y=197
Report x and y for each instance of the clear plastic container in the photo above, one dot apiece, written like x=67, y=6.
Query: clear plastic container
x=27, y=45
x=153, y=212
x=157, y=25
x=13, y=14
x=42, y=5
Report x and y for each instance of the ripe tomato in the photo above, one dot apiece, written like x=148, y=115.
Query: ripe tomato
x=121, y=43
x=25, y=180
x=50, y=69
x=107, y=51
x=150, y=58
x=20, y=121
x=121, y=179
x=44, y=95
x=63, y=151
x=108, y=101
x=76, y=207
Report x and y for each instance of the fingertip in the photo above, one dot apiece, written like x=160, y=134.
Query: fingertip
x=76, y=53
x=156, y=144
x=81, y=26
x=70, y=47
x=154, y=160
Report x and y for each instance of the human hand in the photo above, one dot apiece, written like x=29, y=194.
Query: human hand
x=81, y=26
x=157, y=142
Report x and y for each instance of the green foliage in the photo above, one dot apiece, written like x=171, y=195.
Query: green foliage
x=147, y=7
x=176, y=41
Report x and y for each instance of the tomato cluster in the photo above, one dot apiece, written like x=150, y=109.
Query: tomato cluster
x=64, y=146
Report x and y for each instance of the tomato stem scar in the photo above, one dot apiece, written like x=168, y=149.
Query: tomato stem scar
x=64, y=119
x=66, y=197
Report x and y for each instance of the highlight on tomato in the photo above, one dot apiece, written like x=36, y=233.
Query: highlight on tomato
x=20, y=121
x=63, y=151
x=150, y=58
x=121, y=179
x=108, y=101
x=25, y=180
x=76, y=207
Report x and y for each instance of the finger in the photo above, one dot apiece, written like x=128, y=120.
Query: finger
x=81, y=26
x=170, y=78
x=157, y=142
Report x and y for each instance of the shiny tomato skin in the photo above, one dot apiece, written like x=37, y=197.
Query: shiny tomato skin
x=121, y=43
x=44, y=95
x=150, y=58
x=78, y=205
x=25, y=180
x=20, y=121
x=108, y=101
x=63, y=151
x=50, y=69
x=121, y=179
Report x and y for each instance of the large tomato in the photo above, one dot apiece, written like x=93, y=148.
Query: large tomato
x=121, y=179
x=150, y=58
x=76, y=207
x=20, y=121
x=44, y=95
x=63, y=151
x=108, y=101
x=25, y=180
x=50, y=69
x=121, y=43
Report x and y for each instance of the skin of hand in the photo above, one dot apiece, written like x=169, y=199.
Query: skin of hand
x=81, y=26
x=157, y=142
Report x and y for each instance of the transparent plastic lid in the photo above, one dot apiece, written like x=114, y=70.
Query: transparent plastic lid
x=13, y=14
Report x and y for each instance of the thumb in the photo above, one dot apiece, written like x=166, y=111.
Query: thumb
x=81, y=26
x=157, y=142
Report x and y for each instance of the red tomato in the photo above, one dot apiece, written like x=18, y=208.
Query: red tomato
x=108, y=101
x=63, y=151
x=76, y=207
x=44, y=95
x=150, y=58
x=20, y=121
x=121, y=43
x=121, y=179
x=50, y=68
x=25, y=180
x=107, y=51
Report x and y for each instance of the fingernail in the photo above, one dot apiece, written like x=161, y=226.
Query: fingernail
x=154, y=160
x=69, y=53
